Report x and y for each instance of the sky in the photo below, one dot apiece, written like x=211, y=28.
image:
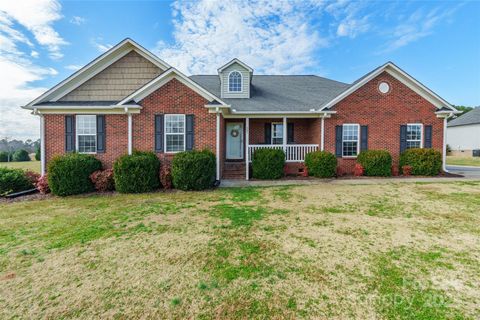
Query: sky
x=44, y=41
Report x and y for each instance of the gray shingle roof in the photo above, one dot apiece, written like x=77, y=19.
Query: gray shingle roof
x=471, y=117
x=279, y=93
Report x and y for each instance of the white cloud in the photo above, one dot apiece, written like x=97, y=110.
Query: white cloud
x=37, y=16
x=77, y=20
x=272, y=37
x=100, y=46
x=18, y=70
x=417, y=25
x=351, y=27
x=73, y=67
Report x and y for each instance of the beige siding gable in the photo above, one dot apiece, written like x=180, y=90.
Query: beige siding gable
x=117, y=81
x=245, y=82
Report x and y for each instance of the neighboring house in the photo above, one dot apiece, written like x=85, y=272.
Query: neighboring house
x=463, y=133
x=128, y=99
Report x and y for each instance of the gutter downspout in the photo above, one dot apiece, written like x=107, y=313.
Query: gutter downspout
x=444, y=151
x=322, y=133
x=217, y=146
x=42, y=141
x=129, y=131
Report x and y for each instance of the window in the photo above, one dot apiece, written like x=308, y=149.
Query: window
x=174, y=132
x=86, y=133
x=350, y=138
x=235, y=81
x=414, y=135
x=277, y=133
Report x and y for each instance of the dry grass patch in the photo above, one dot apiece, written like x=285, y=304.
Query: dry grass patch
x=317, y=251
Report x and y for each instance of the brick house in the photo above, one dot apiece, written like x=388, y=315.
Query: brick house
x=128, y=99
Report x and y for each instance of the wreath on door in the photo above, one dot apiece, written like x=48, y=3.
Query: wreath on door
x=234, y=133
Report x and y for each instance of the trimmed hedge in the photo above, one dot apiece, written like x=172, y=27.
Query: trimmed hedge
x=21, y=155
x=3, y=156
x=321, y=164
x=376, y=162
x=13, y=180
x=70, y=174
x=424, y=162
x=136, y=173
x=193, y=170
x=268, y=163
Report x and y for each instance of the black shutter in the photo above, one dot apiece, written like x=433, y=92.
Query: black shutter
x=403, y=138
x=159, y=133
x=268, y=133
x=290, y=135
x=428, y=137
x=189, y=132
x=69, y=133
x=100, y=133
x=363, y=138
x=338, y=140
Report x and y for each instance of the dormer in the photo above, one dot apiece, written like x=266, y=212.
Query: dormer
x=235, y=79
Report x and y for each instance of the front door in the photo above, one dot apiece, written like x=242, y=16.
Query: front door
x=234, y=140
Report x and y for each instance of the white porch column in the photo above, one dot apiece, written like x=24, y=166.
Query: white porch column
x=284, y=135
x=217, y=146
x=444, y=147
x=42, y=144
x=129, y=133
x=247, y=146
x=322, y=134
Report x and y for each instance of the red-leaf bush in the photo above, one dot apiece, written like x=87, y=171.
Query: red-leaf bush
x=395, y=170
x=42, y=184
x=103, y=180
x=407, y=170
x=32, y=176
x=358, y=170
x=166, y=176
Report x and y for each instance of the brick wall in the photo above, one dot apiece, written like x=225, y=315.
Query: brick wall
x=305, y=131
x=383, y=113
x=174, y=97
x=116, y=137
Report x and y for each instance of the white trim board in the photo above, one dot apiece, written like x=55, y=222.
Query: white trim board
x=403, y=77
x=94, y=67
x=234, y=60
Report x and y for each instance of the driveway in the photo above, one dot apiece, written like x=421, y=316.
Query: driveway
x=468, y=172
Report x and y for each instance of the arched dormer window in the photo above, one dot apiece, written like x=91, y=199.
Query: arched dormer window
x=235, y=81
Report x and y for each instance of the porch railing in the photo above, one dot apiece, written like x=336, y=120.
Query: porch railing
x=293, y=152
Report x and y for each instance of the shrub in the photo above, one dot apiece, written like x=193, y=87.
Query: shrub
x=42, y=184
x=407, y=170
x=103, y=180
x=13, y=180
x=376, y=162
x=137, y=172
x=3, y=156
x=21, y=155
x=70, y=174
x=32, y=176
x=425, y=162
x=193, y=170
x=166, y=177
x=321, y=164
x=358, y=170
x=268, y=163
x=37, y=154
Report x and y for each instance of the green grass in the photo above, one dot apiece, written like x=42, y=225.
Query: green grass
x=390, y=251
x=463, y=161
x=25, y=165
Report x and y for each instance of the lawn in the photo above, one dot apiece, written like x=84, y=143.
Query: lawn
x=26, y=165
x=390, y=251
x=463, y=161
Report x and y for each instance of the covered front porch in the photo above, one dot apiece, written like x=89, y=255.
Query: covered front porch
x=296, y=136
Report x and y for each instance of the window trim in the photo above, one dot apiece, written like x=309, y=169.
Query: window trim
x=241, y=82
x=421, y=135
x=77, y=135
x=272, y=130
x=358, y=140
x=165, y=116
